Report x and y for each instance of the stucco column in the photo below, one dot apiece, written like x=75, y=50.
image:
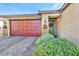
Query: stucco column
x=45, y=26
x=5, y=29
x=8, y=27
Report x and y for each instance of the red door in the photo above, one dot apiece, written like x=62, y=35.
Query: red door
x=25, y=27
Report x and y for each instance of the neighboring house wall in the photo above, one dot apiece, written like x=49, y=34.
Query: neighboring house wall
x=68, y=23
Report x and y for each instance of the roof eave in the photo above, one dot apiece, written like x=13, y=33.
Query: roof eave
x=54, y=11
x=19, y=15
x=64, y=6
x=48, y=12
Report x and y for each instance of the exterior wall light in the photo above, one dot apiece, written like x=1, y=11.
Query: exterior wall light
x=44, y=26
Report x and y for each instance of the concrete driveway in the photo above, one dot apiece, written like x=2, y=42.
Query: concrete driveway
x=17, y=46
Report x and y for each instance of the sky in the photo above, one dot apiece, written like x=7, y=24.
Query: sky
x=27, y=8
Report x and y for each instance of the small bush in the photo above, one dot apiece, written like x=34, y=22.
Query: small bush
x=44, y=38
x=47, y=45
x=78, y=51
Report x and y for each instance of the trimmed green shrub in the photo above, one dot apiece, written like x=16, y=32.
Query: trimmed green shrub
x=44, y=38
x=78, y=51
x=47, y=45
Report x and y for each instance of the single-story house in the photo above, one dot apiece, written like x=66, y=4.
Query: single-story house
x=65, y=22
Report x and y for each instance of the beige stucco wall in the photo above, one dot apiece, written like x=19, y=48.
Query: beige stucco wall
x=68, y=23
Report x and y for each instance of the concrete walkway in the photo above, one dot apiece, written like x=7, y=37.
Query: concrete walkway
x=17, y=46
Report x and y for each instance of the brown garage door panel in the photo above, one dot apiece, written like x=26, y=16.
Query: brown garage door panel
x=25, y=27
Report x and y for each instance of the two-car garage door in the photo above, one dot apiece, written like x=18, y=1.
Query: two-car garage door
x=25, y=27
